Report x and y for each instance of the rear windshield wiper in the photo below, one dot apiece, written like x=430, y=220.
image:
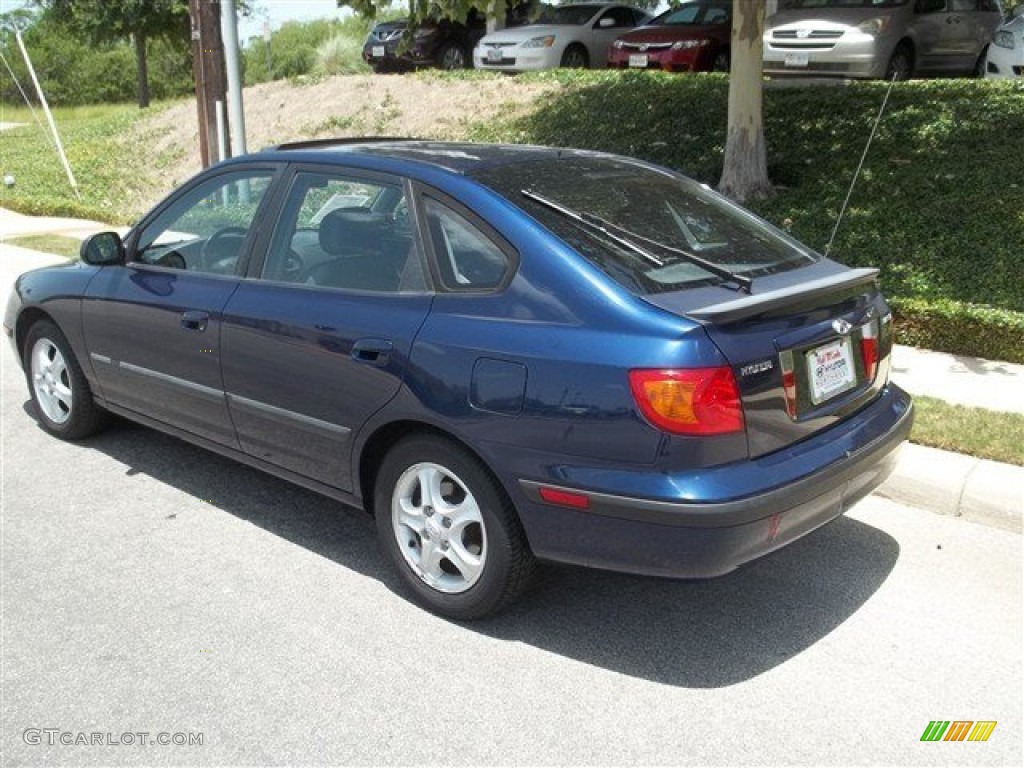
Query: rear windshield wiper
x=631, y=241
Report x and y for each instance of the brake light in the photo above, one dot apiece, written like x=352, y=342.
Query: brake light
x=689, y=401
x=869, y=348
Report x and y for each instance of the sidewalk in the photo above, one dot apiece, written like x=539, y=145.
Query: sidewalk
x=948, y=483
x=19, y=225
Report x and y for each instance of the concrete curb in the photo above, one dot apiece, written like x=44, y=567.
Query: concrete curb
x=948, y=483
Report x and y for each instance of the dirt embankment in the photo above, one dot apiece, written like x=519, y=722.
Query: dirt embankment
x=421, y=105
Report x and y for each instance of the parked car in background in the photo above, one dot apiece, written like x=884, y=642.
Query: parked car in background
x=576, y=35
x=1006, y=53
x=692, y=37
x=890, y=39
x=438, y=42
x=503, y=353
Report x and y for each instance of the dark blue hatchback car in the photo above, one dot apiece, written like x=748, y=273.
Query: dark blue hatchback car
x=504, y=353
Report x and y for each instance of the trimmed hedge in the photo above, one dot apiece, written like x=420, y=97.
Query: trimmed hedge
x=960, y=328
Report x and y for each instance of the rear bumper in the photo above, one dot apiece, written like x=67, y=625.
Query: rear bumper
x=706, y=538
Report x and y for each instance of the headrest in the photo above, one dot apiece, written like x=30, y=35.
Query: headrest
x=343, y=231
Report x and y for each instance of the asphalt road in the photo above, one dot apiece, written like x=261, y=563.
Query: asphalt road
x=151, y=587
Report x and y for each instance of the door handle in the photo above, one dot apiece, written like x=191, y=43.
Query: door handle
x=195, y=320
x=372, y=351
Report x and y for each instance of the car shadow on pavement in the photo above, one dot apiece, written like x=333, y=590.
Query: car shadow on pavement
x=698, y=634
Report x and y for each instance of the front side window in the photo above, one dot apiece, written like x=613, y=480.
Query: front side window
x=663, y=218
x=204, y=229
x=346, y=233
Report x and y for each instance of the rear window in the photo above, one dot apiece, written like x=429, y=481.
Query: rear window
x=667, y=208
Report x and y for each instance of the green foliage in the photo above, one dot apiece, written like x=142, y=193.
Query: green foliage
x=340, y=55
x=107, y=170
x=959, y=328
x=293, y=48
x=74, y=71
x=106, y=20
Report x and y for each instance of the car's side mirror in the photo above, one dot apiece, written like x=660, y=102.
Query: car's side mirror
x=606, y=22
x=102, y=249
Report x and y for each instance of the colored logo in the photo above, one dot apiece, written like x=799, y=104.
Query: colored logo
x=958, y=730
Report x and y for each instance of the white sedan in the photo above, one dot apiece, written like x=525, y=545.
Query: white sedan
x=576, y=35
x=1006, y=51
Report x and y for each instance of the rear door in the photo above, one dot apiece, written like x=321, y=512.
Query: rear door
x=317, y=339
x=153, y=325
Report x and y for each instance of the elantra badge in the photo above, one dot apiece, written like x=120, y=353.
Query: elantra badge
x=760, y=367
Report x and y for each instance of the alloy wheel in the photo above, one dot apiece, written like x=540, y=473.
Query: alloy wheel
x=439, y=528
x=51, y=381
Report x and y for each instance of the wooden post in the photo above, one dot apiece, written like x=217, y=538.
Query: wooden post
x=209, y=74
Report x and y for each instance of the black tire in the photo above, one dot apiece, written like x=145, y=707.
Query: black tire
x=901, y=63
x=981, y=64
x=722, y=62
x=575, y=57
x=59, y=390
x=466, y=529
x=451, y=56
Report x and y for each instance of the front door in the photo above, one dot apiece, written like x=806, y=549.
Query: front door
x=153, y=325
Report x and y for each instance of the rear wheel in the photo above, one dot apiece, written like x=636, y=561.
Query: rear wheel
x=901, y=63
x=721, y=62
x=59, y=389
x=981, y=64
x=575, y=57
x=449, y=529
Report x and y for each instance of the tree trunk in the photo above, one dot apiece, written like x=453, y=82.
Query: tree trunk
x=141, y=69
x=495, y=15
x=745, y=170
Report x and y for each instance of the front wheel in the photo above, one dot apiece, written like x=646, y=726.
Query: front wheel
x=59, y=389
x=901, y=63
x=449, y=529
x=575, y=57
x=451, y=57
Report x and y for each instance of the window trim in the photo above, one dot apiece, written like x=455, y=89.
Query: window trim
x=274, y=170
x=499, y=241
x=254, y=272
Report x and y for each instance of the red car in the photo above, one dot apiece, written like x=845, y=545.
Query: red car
x=692, y=37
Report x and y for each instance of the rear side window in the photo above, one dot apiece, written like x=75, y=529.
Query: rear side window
x=467, y=259
x=346, y=233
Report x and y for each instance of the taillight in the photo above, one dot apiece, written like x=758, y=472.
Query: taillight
x=869, y=348
x=689, y=401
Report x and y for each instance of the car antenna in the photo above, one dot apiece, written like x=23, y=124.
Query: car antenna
x=856, y=174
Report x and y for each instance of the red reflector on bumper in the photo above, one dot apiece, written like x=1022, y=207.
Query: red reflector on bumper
x=564, y=498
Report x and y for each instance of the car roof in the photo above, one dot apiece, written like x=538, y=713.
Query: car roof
x=463, y=158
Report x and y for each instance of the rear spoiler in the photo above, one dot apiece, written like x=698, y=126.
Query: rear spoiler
x=749, y=306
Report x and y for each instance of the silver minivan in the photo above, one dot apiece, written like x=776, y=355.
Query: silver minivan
x=891, y=39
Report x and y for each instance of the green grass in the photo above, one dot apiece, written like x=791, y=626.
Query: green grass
x=67, y=247
x=973, y=431
x=105, y=166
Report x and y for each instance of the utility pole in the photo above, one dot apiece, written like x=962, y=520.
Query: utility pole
x=236, y=112
x=211, y=85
